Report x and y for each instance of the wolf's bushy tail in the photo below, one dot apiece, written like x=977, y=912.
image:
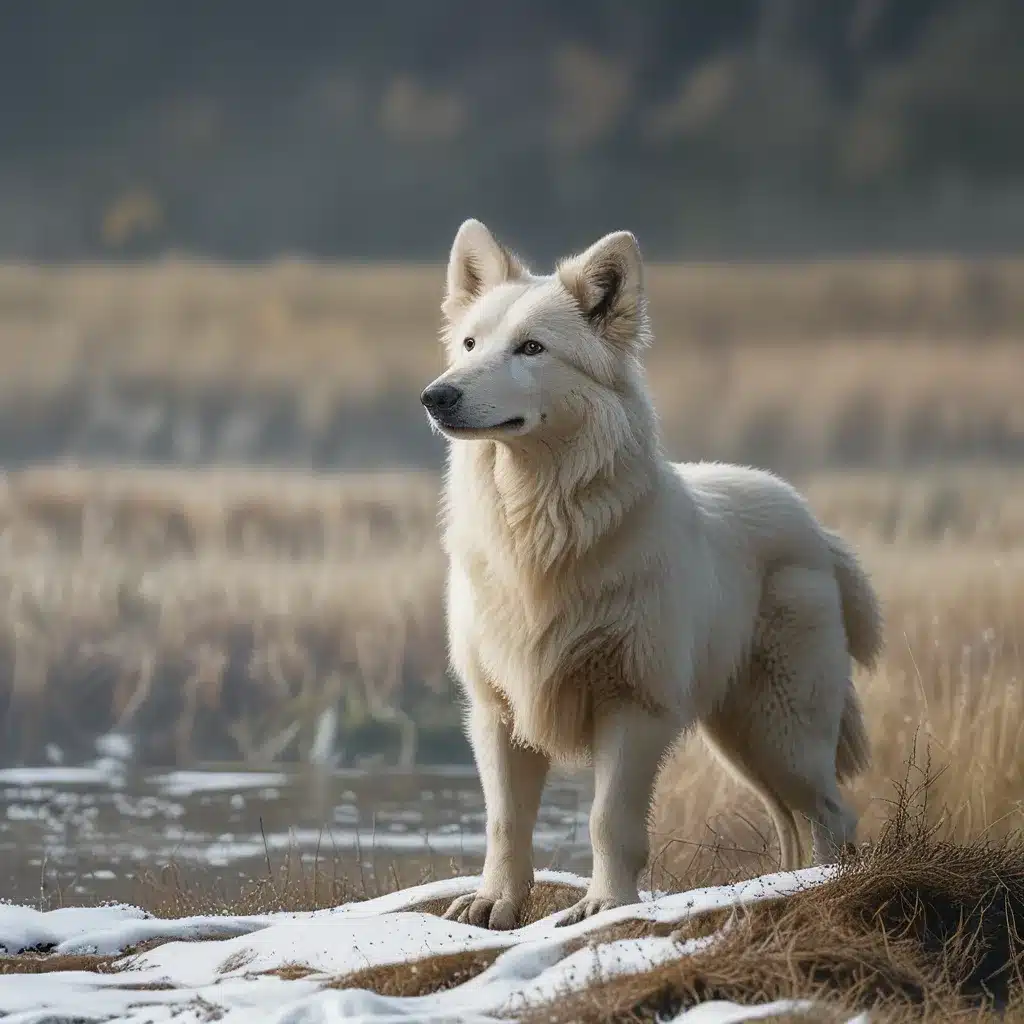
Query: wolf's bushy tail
x=862, y=620
x=853, y=751
x=862, y=614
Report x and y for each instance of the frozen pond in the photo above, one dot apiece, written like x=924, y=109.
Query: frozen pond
x=74, y=834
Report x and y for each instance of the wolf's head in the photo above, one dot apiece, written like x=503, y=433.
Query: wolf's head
x=538, y=358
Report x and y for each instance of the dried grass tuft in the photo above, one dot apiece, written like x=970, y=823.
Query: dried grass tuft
x=917, y=926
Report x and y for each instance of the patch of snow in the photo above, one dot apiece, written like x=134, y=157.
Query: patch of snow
x=601, y=962
x=330, y=945
x=58, y=775
x=116, y=745
x=719, y=1011
x=218, y=964
x=185, y=783
x=27, y=928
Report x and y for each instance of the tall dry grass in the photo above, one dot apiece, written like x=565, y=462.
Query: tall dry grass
x=916, y=929
x=897, y=362
x=219, y=615
x=294, y=320
x=222, y=613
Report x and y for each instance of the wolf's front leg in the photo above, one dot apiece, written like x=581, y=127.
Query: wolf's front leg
x=629, y=744
x=512, y=778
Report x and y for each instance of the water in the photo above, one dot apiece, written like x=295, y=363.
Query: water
x=72, y=835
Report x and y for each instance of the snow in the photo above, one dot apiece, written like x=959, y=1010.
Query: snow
x=717, y=1011
x=185, y=783
x=58, y=775
x=210, y=966
x=115, y=745
x=26, y=928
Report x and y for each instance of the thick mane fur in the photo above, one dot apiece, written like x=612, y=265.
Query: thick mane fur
x=552, y=508
x=536, y=519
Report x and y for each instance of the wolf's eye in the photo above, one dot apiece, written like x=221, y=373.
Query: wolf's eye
x=468, y=344
x=531, y=348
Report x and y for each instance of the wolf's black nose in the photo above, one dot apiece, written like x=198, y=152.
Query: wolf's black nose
x=441, y=398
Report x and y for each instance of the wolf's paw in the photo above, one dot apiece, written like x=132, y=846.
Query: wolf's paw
x=495, y=912
x=588, y=907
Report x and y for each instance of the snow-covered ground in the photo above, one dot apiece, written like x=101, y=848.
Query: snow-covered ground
x=214, y=967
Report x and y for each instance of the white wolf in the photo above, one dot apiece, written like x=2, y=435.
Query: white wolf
x=601, y=600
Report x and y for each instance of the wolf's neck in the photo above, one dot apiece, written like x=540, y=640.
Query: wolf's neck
x=550, y=503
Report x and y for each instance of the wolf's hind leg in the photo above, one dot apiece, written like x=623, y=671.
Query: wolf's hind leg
x=798, y=690
x=720, y=737
x=781, y=719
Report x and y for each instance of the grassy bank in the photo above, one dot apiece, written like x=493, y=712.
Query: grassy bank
x=915, y=928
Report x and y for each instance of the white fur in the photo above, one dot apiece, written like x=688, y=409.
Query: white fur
x=602, y=600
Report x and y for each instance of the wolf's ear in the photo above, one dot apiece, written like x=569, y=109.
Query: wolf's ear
x=607, y=282
x=477, y=263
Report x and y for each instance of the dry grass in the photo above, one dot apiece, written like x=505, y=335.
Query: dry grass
x=420, y=977
x=918, y=928
x=332, y=315
x=44, y=963
x=289, y=886
x=220, y=614
x=897, y=362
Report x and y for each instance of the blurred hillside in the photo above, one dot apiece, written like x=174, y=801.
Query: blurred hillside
x=245, y=128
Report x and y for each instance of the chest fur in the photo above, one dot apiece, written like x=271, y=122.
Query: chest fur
x=556, y=665
x=544, y=594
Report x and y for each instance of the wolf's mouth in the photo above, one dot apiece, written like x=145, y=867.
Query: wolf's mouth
x=514, y=423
